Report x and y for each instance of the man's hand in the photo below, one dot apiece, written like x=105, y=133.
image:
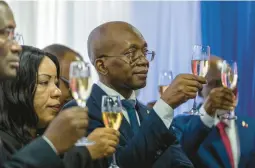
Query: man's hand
x=219, y=98
x=106, y=140
x=183, y=88
x=69, y=126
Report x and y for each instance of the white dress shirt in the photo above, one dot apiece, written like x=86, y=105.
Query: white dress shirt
x=163, y=110
x=231, y=131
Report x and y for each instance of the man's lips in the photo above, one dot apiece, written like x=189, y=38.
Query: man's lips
x=141, y=72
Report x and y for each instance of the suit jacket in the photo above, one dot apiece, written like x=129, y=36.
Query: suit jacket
x=150, y=147
x=37, y=154
x=204, y=146
x=78, y=157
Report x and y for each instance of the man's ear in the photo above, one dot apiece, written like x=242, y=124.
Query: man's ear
x=100, y=67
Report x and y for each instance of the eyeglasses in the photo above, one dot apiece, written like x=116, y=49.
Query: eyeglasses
x=10, y=35
x=131, y=57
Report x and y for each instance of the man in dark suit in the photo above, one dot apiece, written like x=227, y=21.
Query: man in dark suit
x=42, y=152
x=212, y=140
x=121, y=57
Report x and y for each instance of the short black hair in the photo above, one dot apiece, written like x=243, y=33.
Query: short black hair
x=59, y=50
x=17, y=112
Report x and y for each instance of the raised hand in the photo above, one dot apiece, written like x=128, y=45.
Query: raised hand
x=69, y=126
x=183, y=88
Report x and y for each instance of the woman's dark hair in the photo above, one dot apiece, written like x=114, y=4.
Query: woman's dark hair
x=17, y=112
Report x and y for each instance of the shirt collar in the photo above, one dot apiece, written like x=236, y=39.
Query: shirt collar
x=110, y=91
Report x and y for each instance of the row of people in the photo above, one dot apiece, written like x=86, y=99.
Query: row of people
x=20, y=146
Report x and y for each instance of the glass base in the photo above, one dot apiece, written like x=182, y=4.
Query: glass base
x=84, y=142
x=113, y=166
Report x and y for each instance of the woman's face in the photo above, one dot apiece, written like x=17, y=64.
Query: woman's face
x=47, y=93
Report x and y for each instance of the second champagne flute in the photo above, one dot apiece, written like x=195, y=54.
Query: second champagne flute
x=80, y=85
x=165, y=79
x=200, y=66
x=229, y=77
x=112, y=117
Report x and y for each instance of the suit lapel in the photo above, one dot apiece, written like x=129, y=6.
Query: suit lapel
x=141, y=110
x=125, y=129
x=96, y=94
x=214, y=146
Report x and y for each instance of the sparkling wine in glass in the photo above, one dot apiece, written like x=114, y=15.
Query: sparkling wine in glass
x=229, y=77
x=112, y=117
x=165, y=79
x=199, y=66
x=80, y=85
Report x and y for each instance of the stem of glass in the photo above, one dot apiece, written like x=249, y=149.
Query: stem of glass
x=195, y=103
x=114, y=159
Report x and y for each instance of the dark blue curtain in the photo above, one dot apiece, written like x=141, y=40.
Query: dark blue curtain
x=229, y=29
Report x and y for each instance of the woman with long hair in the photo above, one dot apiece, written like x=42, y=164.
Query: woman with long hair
x=29, y=102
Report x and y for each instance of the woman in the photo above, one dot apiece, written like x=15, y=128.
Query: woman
x=29, y=102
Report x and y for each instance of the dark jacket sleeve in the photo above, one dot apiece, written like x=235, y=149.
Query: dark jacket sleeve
x=143, y=149
x=190, y=132
x=37, y=154
x=173, y=157
x=78, y=157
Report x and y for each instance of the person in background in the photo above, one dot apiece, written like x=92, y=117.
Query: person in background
x=105, y=139
x=122, y=64
x=213, y=142
x=9, y=48
x=65, y=56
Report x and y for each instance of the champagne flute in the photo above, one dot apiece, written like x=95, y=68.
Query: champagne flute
x=165, y=79
x=229, y=77
x=80, y=85
x=112, y=117
x=200, y=66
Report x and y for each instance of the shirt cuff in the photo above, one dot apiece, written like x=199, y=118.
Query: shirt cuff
x=50, y=143
x=206, y=119
x=164, y=111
